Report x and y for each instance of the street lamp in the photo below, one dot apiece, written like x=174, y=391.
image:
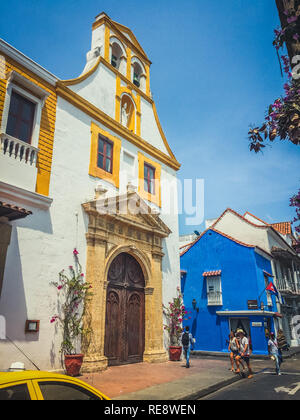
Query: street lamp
x=194, y=304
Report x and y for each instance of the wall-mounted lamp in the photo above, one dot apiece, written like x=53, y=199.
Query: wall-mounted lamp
x=194, y=304
x=32, y=326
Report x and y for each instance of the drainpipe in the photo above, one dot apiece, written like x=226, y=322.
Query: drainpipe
x=5, y=235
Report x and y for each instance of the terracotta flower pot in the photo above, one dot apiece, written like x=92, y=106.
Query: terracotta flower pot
x=73, y=364
x=175, y=353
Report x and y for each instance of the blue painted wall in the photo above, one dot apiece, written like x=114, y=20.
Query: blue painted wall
x=242, y=279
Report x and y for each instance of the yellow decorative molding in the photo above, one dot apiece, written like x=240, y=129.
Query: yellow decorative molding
x=135, y=122
x=128, y=68
x=148, y=92
x=161, y=131
x=106, y=43
x=94, y=170
x=138, y=115
x=118, y=100
x=84, y=76
x=145, y=195
x=47, y=124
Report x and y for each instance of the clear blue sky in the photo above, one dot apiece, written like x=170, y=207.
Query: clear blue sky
x=214, y=72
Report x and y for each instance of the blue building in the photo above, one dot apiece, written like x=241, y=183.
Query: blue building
x=223, y=282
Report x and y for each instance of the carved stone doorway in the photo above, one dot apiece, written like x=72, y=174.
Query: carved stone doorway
x=124, y=267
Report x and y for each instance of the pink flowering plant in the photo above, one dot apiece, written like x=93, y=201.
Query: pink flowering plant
x=289, y=33
x=283, y=116
x=74, y=293
x=295, y=202
x=175, y=313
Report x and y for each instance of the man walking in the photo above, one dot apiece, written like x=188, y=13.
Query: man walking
x=274, y=352
x=187, y=341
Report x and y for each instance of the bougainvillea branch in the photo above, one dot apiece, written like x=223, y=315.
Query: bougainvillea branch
x=74, y=293
x=175, y=312
x=295, y=202
x=283, y=116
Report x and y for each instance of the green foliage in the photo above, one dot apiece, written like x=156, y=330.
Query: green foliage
x=174, y=313
x=74, y=293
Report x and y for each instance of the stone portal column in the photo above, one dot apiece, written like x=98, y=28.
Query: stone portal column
x=93, y=346
x=154, y=347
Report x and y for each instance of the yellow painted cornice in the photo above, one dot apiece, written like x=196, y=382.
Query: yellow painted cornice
x=129, y=32
x=76, y=100
x=116, y=27
x=161, y=132
x=84, y=76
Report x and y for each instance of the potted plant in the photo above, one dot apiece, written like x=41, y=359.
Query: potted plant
x=174, y=313
x=74, y=292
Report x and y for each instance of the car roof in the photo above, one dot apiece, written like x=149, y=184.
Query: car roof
x=29, y=374
x=25, y=375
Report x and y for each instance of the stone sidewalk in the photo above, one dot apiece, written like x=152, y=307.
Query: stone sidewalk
x=172, y=380
x=163, y=381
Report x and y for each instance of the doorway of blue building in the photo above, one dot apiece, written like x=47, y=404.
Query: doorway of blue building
x=240, y=323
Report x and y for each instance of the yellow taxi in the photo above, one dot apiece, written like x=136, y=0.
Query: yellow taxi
x=38, y=385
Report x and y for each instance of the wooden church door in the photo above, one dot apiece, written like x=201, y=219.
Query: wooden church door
x=125, y=312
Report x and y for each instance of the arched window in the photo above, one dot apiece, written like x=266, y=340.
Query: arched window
x=128, y=112
x=137, y=73
x=116, y=54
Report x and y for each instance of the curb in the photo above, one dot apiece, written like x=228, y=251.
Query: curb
x=210, y=390
x=192, y=396
x=221, y=355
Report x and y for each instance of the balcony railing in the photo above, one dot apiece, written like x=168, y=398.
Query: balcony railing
x=18, y=163
x=18, y=149
x=214, y=299
x=285, y=286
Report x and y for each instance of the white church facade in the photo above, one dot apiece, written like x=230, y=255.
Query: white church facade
x=70, y=148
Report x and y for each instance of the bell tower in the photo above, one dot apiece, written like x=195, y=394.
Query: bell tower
x=118, y=46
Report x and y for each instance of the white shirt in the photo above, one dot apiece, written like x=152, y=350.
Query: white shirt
x=273, y=346
x=243, y=343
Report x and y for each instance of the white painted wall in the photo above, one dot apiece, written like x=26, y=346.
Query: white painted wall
x=149, y=129
x=99, y=89
x=254, y=220
x=17, y=172
x=98, y=37
x=233, y=225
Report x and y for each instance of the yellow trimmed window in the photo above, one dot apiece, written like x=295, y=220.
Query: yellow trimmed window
x=105, y=155
x=149, y=180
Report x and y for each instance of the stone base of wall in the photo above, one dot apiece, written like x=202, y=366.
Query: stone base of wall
x=94, y=364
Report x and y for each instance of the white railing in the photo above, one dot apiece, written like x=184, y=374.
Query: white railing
x=18, y=149
x=214, y=299
x=287, y=287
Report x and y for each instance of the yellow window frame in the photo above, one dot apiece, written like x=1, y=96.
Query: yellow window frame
x=145, y=195
x=94, y=170
x=31, y=390
x=81, y=385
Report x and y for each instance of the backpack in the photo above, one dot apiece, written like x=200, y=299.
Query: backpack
x=185, y=339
